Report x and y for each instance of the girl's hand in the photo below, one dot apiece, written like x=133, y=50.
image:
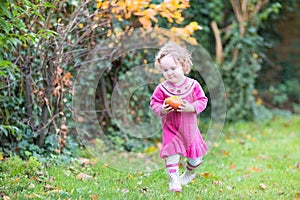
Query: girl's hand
x=166, y=108
x=186, y=107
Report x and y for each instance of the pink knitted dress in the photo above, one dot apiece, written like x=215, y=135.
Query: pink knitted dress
x=180, y=133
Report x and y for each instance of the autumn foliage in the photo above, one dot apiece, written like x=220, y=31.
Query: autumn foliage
x=146, y=14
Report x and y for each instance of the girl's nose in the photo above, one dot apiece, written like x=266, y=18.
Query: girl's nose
x=169, y=72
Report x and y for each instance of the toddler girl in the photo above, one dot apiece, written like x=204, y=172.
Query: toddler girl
x=180, y=133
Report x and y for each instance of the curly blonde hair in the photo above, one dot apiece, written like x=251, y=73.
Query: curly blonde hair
x=179, y=54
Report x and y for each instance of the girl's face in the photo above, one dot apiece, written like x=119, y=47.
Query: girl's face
x=171, y=70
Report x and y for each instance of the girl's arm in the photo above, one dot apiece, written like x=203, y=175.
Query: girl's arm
x=157, y=101
x=200, y=99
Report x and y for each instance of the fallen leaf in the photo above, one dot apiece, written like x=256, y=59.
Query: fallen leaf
x=216, y=145
x=151, y=149
x=143, y=190
x=229, y=188
x=51, y=179
x=232, y=166
x=83, y=176
x=48, y=187
x=263, y=186
x=246, y=176
x=85, y=161
x=255, y=169
x=37, y=179
x=129, y=177
x=262, y=157
x=225, y=153
x=270, y=166
x=80, y=25
x=40, y=173
x=125, y=190
x=6, y=198
x=106, y=165
x=205, y=175
x=94, y=196
x=297, y=197
x=217, y=182
x=298, y=166
x=243, y=177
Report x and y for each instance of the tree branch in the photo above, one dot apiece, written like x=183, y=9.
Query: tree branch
x=219, y=48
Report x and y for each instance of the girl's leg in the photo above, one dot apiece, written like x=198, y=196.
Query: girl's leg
x=190, y=172
x=172, y=163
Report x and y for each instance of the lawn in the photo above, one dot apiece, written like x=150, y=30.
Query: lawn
x=249, y=161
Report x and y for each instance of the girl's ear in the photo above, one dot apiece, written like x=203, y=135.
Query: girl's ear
x=186, y=70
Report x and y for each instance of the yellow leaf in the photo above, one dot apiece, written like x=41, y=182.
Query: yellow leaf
x=151, y=149
x=179, y=20
x=205, y=175
x=255, y=56
x=176, y=15
x=170, y=20
x=194, y=25
x=145, y=21
x=99, y=5
x=225, y=153
x=127, y=15
x=80, y=25
x=119, y=17
x=114, y=2
x=259, y=101
x=216, y=145
x=105, y=5
x=109, y=33
x=130, y=176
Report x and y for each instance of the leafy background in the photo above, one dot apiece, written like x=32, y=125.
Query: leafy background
x=43, y=44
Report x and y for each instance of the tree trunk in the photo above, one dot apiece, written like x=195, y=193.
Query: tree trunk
x=48, y=80
x=28, y=92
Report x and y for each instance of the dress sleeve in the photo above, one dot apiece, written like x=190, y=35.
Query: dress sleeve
x=200, y=100
x=157, y=100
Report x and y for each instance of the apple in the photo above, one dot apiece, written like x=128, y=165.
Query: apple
x=174, y=102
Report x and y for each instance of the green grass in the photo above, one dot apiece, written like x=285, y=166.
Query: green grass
x=247, y=157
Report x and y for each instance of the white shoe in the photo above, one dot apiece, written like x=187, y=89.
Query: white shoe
x=187, y=177
x=174, y=182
